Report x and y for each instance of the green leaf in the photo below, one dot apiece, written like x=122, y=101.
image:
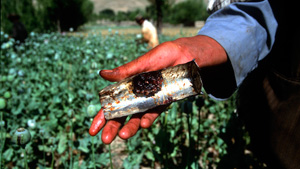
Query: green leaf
x=102, y=159
x=18, y=109
x=150, y=155
x=83, y=145
x=220, y=141
x=8, y=154
x=62, y=144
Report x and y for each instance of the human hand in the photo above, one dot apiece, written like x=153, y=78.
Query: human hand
x=205, y=51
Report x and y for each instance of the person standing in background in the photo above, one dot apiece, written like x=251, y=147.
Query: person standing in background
x=19, y=32
x=149, y=32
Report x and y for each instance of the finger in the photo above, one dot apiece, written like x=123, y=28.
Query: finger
x=158, y=58
x=131, y=127
x=111, y=129
x=97, y=123
x=149, y=117
x=122, y=72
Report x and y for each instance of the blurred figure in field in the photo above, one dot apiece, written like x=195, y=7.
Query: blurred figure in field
x=19, y=32
x=149, y=32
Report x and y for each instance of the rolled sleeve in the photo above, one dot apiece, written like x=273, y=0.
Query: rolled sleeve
x=246, y=30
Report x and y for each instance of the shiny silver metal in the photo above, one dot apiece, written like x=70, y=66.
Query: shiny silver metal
x=179, y=82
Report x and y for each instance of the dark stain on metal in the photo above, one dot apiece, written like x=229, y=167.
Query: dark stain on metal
x=147, y=84
x=169, y=100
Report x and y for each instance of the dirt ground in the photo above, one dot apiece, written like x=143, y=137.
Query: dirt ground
x=168, y=31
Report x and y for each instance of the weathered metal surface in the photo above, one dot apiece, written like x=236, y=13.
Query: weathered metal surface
x=179, y=82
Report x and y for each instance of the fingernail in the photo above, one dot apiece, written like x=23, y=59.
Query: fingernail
x=105, y=72
x=101, y=71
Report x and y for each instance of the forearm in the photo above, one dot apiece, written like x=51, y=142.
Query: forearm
x=203, y=49
x=246, y=31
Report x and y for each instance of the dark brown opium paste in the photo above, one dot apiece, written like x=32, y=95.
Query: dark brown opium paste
x=147, y=84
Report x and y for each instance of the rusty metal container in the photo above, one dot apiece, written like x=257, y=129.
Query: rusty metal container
x=174, y=83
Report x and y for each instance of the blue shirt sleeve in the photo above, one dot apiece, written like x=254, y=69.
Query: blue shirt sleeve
x=246, y=30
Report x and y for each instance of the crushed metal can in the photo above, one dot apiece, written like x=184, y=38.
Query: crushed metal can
x=148, y=90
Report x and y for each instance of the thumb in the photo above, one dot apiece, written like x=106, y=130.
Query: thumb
x=160, y=57
x=124, y=71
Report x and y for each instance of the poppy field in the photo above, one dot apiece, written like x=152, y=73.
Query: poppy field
x=49, y=87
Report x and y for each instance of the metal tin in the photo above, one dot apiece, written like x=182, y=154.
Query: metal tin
x=179, y=82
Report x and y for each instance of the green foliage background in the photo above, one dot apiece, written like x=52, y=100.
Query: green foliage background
x=24, y=8
x=53, y=80
x=186, y=12
x=61, y=15
x=46, y=15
